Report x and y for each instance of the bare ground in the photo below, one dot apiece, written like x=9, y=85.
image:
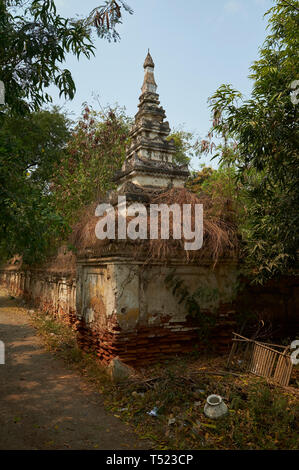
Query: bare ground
x=44, y=405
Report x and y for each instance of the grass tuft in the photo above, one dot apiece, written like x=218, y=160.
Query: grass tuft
x=261, y=416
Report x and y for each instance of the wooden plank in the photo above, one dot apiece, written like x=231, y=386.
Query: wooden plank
x=287, y=371
x=243, y=337
x=270, y=349
x=273, y=345
x=256, y=359
x=253, y=358
x=260, y=360
x=263, y=361
x=285, y=367
x=272, y=361
x=278, y=370
x=281, y=369
x=266, y=362
x=288, y=376
x=231, y=354
x=259, y=342
x=248, y=355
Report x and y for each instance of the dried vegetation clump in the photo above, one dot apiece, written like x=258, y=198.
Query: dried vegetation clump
x=220, y=238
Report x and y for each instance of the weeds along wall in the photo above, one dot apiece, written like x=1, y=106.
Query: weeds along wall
x=52, y=293
x=122, y=308
x=142, y=314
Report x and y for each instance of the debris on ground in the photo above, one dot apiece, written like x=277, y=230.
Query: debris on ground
x=260, y=415
x=119, y=371
x=153, y=412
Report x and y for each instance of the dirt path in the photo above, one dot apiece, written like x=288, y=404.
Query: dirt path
x=43, y=405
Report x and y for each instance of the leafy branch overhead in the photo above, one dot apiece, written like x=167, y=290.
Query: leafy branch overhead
x=105, y=18
x=260, y=139
x=35, y=41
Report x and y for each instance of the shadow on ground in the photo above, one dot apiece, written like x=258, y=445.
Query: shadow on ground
x=43, y=405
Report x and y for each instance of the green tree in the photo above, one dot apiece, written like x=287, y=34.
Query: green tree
x=41, y=137
x=34, y=41
x=186, y=146
x=264, y=132
x=29, y=148
x=93, y=155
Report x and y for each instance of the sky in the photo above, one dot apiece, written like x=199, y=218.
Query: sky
x=196, y=45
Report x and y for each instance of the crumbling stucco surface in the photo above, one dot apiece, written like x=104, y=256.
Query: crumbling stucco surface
x=53, y=294
x=126, y=310
x=137, y=317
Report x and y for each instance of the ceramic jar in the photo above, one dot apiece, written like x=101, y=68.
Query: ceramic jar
x=215, y=407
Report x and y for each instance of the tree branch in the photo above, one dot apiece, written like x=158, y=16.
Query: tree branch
x=290, y=4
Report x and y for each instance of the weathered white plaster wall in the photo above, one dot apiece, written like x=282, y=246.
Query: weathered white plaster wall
x=138, y=295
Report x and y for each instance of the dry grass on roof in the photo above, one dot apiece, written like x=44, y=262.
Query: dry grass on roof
x=13, y=264
x=219, y=229
x=220, y=238
x=64, y=262
x=83, y=235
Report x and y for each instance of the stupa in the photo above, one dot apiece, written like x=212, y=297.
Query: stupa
x=124, y=307
x=149, y=162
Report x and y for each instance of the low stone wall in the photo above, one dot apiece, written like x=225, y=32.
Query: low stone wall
x=52, y=293
x=125, y=309
x=120, y=309
x=145, y=345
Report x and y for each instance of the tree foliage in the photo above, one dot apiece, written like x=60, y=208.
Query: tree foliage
x=186, y=144
x=94, y=153
x=34, y=42
x=29, y=148
x=263, y=133
x=107, y=17
x=50, y=173
x=41, y=137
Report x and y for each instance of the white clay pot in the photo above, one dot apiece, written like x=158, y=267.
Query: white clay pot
x=215, y=407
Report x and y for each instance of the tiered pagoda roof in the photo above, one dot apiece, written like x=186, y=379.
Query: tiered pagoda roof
x=149, y=159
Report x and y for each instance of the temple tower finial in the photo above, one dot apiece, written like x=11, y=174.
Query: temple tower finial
x=149, y=83
x=149, y=156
